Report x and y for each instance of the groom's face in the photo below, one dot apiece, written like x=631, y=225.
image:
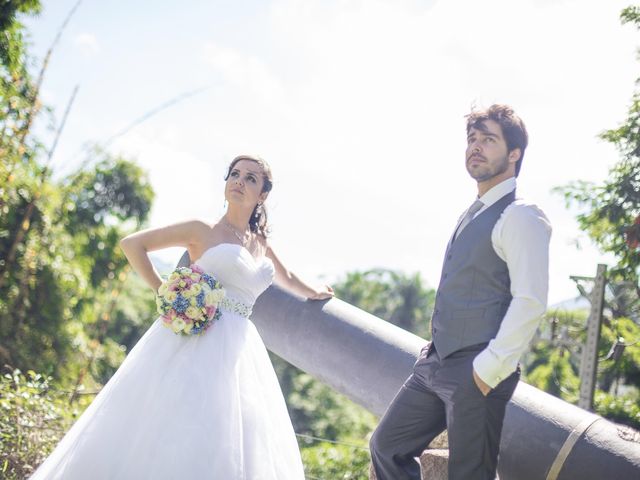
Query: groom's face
x=487, y=155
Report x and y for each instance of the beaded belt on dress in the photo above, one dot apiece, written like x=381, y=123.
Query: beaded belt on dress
x=235, y=306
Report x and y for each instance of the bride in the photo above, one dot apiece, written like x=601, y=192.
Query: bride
x=205, y=406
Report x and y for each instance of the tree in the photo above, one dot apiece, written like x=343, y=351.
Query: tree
x=553, y=362
x=60, y=265
x=401, y=299
x=611, y=218
x=18, y=102
x=611, y=215
x=315, y=409
x=12, y=50
x=333, y=431
x=67, y=304
x=68, y=275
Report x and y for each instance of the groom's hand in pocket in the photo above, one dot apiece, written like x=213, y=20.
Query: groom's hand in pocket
x=484, y=388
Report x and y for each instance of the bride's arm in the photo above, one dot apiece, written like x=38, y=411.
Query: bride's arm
x=290, y=281
x=137, y=245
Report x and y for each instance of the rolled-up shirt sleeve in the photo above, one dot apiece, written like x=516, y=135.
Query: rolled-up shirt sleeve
x=521, y=238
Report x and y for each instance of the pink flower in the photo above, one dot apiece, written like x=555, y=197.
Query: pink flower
x=169, y=316
x=197, y=269
x=185, y=284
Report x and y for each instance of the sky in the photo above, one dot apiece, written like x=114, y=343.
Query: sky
x=358, y=106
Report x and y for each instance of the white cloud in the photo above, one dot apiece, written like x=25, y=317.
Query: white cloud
x=87, y=44
x=245, y=72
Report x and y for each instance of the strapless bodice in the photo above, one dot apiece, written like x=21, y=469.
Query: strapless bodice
x=243, y=276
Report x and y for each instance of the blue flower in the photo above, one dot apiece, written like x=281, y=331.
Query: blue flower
x=200, y=299
x=180, y=304
x=210, y=280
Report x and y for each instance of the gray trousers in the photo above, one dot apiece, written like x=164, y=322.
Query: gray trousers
x=441, y=393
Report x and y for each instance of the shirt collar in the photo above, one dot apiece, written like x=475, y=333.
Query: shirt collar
x=498, y=191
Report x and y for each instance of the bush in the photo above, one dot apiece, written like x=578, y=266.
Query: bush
x=327, y=461
x=319, y=411
x=33, y=418
x=623, y=409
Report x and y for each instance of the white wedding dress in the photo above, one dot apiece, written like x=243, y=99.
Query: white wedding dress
x=201, y=407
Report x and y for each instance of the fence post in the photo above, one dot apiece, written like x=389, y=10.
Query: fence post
x=589, y=361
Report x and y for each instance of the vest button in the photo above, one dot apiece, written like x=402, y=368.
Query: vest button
x=449, y=257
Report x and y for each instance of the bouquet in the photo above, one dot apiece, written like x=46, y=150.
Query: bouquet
x=188, y=300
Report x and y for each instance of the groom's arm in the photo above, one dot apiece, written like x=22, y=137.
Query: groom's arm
x=522, y=241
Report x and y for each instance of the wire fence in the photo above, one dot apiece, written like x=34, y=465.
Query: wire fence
x=335, y=442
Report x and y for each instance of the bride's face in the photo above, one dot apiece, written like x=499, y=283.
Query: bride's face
x=245, y=183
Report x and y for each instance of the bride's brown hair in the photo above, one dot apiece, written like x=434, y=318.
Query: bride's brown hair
x=258, y=220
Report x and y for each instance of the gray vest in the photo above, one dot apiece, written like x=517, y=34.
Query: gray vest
x=474, y=291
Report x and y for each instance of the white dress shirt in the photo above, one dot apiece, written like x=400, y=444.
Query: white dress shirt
x=521, y=238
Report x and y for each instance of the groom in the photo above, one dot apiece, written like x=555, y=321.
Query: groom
x=492, y=293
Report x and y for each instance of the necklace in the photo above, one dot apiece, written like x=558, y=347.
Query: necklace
x=242, y=238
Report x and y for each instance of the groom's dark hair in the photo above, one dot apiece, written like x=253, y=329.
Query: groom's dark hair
x=513, y=129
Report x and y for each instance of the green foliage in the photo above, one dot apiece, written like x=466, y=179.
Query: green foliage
x=115, y=190
x=610, y=215
x=12, y=44
x=625, y=369
x=401, y=299
x=318, y=411
x=9, y=9
x=63, y=276
x=611, y=211
x=328, y=461
x=623, y=409
x=631, y=15
x=67, y=275
x=554, y=373
x=66, y=292
x=553, y=363
x=132, y=313
x=33, y=418
x=18, y=102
